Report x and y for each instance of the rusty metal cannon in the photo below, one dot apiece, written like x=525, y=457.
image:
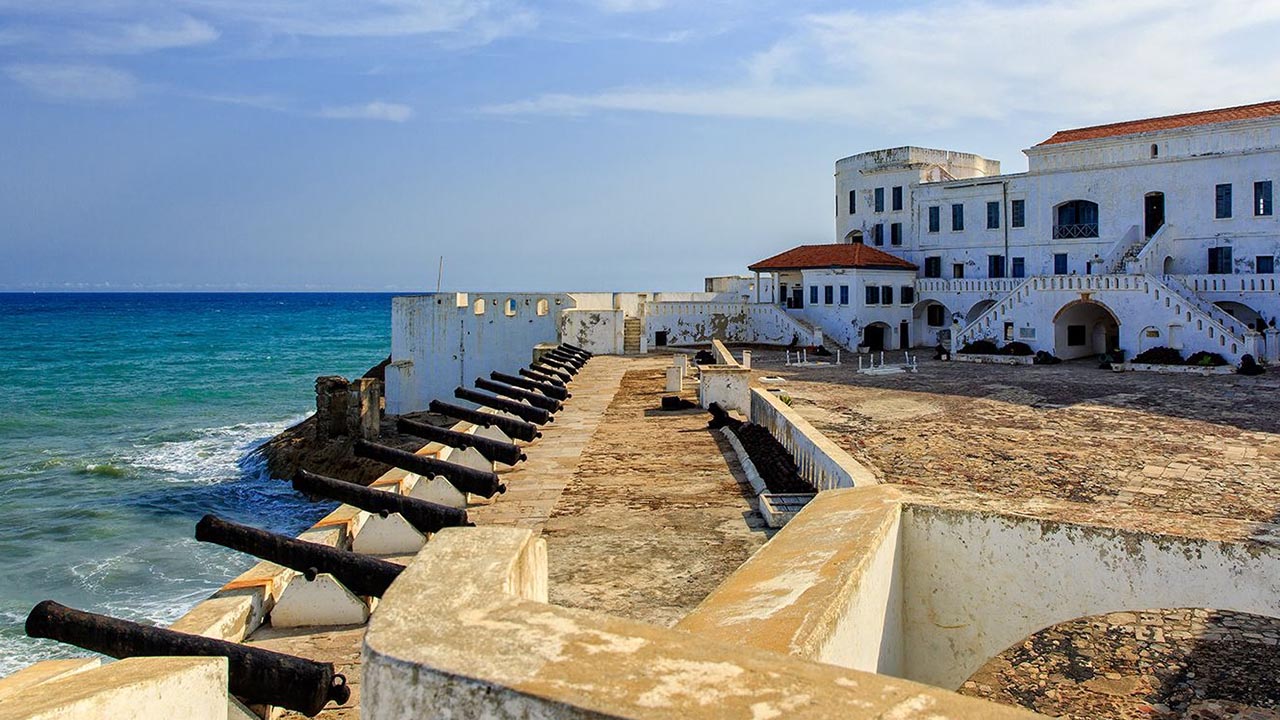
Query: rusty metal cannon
x=537, y=400
x=257, y=676
x=566, y=358
x=528, y=413
x=360, y=574
x=512, y=427
x=548, y=378
x=546, y=388
x=552, y=361
x=577, y=349
x=425, y=517
x=495, y=450
x=465, y=479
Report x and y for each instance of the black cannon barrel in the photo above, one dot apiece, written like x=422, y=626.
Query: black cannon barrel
x=553, y=370
x=514, y=428
x=540, y=376
x=562, y=347
x=465, y=479
x=425, y=517
x=361, y=574
x=537, y=416
x=256, y=675
x=572, y=358
x=537, y=400
x=496, y=450
x=577, y=349
x=558, y=364
x=551, y=391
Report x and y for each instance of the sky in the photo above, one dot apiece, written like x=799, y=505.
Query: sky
x=535, y=146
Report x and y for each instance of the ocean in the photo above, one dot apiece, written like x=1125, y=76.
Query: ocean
x=126, y=417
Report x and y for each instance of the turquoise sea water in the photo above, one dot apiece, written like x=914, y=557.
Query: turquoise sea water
x=125, y=417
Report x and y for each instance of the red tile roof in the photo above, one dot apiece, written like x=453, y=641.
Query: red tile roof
x=1168, y=122
x=855, y=255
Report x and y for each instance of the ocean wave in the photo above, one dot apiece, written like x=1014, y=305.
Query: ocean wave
x=103, y=469
x=208, y=454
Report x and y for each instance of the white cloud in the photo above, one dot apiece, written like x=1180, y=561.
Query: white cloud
x=146, y=36
x=75, y=82
x=376, y=110
x=947, y=62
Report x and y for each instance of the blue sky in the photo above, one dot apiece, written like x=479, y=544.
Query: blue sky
x=578, y=144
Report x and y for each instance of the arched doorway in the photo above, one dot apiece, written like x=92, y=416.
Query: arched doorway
x=1248, y=316
x=1150, y=337
x=931, y=321
x=877, y=336
x=1153, y=212
x=977, y=310
x=1084, y=328
x=853, y=237
x=1168, y=265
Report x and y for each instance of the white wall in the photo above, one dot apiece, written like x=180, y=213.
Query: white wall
x=698, y=323
x=845, y=323
x=597, y=331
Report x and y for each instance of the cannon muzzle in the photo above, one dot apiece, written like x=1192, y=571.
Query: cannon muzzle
x=425, y=517
x=258, y=676
x=548, y=378
x=491, y=449
x=361, y=574
x=465, y=479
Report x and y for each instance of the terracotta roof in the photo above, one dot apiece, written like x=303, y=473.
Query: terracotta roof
x=1168, y=122
x=855, y=255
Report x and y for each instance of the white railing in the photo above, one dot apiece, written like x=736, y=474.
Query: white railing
x=1225, y=319
x=1228, y=283
x=1151, y=258
x=1130, y=243
x=989, y=318
x=820, y=461
x=959, y=285
x=1228, y=341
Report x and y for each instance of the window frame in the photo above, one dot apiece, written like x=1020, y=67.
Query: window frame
x=1262, y=202
x=879, y=200
x=871, y=294
x=957, y=217
x=933, y=266
x=895, y=199
x=935, y=218
x=993, y=214
x=1018, y=267
x=1223, y=201
x=1018, y=213
x=1061, y=264
x=813, y=294
x=844, y=294
x=829, y=294
x=895, y=233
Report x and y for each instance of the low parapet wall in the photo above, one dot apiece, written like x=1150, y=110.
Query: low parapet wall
x=698, y=323
x=465, y=632
x=929, y=585
x=821, y=462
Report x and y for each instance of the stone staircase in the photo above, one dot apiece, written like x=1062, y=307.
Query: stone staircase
x=632, y=328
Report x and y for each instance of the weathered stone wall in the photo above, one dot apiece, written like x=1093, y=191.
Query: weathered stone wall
x=698, y=323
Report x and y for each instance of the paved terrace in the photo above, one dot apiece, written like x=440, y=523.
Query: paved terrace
x=641, y=509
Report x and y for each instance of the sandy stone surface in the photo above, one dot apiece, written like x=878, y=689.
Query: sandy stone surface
x=656, y=516
x=1176, y=454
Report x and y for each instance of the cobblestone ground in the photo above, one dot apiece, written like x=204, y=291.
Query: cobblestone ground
x=1168, y=446
x=1160, y=664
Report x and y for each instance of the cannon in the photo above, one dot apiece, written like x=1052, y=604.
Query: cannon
x=551, y=391
x=537, y=400
x=577, y=349
x=360, y=574
x=529, y=413
x=465, y=479
x=425, y=517
x=491, y=449
x=576, y=361
x=517, y=429
x=549, y=361
x=257, y=676
x=542, y=377
x=553, y=370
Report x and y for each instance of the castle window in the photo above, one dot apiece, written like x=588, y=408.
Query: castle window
x=935, y=218
x=897, y=198
x=813, y=294
x=853, y=201
x=907, y=294
x=873, y=295
x=1018, y=213
x=1265, y=264
x=995, y=266
x=936, y=315
x=993, y=215
x=957, y=271
x=829, y=295
x=1262, y=198
x=879, y=199
x=933, y=267
x=1155, y=150
x=844, y=294
x=1018, y=267
x=1060, y=264
x=886, y=295
x=957, y=217
x=1220, y=260
x=895, y=234
x=877, y=234
x=1222, y=201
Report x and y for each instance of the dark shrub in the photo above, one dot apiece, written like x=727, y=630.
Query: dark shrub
x=1045, y=358
x=1019, y=349
x=1206, y=359
x=980, y=347
x=1249, y=366
x=1159, y=356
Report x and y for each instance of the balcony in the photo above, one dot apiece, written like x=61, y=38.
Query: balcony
x=1078, y=230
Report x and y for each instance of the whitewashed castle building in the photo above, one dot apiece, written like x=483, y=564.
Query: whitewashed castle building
x=1126, y=236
